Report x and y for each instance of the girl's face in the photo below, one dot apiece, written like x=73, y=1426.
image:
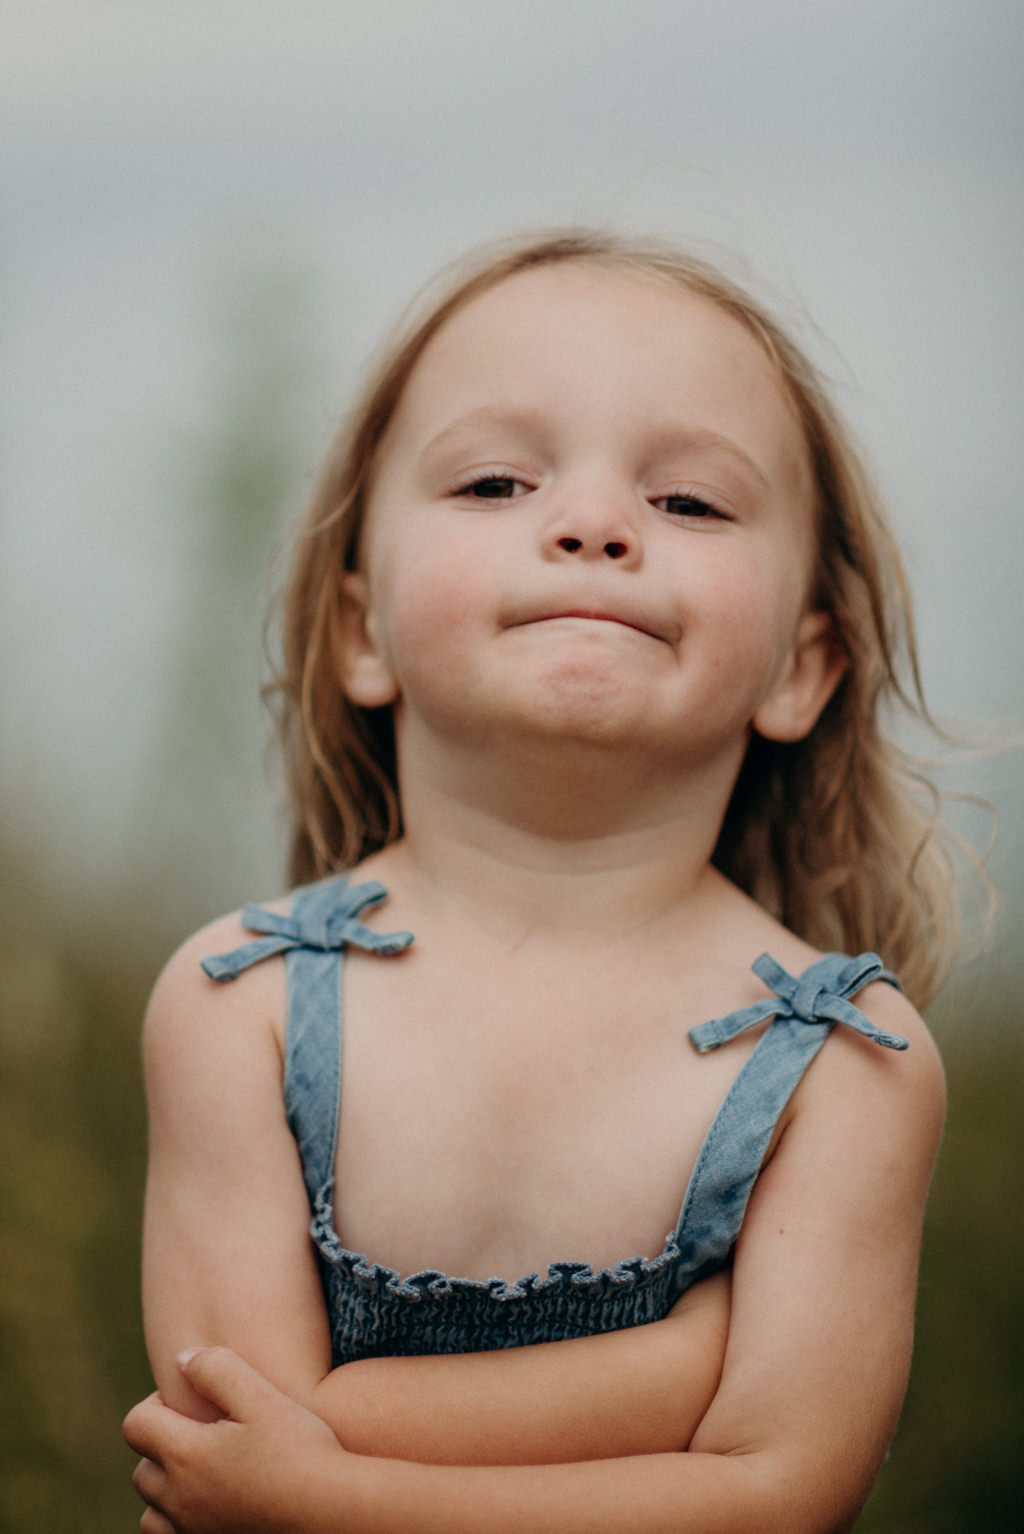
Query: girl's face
x=592, y=518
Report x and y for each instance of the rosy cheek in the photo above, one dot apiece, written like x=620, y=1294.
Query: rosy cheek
x=430, y=609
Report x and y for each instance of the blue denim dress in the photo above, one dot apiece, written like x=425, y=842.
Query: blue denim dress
x=373, y=1311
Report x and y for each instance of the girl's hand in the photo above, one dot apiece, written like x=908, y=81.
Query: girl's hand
x=229, y=1476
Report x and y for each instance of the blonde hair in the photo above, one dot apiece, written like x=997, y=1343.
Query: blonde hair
x=836, y=835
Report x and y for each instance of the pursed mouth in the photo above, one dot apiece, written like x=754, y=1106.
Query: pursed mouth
x=589, y=614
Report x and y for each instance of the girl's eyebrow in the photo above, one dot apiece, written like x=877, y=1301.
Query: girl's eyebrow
x=511, y=417
x=672, y=439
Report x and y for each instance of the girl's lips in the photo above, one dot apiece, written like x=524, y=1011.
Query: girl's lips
x=595, y=614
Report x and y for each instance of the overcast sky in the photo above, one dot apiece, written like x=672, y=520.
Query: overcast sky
x=863, y=158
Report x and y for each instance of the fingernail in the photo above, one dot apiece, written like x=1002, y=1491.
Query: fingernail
x=187, y=1356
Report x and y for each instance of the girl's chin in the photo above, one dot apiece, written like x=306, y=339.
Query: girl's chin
x=570, y=710
x=575, y=702
x=562, y=728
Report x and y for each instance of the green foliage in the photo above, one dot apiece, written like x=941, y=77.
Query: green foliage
x=72, y=1148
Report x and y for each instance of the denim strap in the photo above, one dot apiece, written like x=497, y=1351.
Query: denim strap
x=803, y=1012
x=322, y=921
x=324, y=918
x=818, y=996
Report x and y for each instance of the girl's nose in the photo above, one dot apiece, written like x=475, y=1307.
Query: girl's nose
x=594, y=531
x=615, y=548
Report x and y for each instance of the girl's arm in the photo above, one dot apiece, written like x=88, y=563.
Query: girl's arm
x=228, y=1260
x=815, y=1369
x=641, y=1391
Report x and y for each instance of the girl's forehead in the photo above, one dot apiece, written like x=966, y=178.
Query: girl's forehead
x=589, y=336
x=564, y=313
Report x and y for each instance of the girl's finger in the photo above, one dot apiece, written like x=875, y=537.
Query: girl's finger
x=226, y=1380
x=153, y=1522
x=149, y=1481
x=142, y=1427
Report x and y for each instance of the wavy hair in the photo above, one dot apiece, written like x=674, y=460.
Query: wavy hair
x=836, y=835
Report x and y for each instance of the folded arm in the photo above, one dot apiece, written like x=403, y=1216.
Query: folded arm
x=641, y=1391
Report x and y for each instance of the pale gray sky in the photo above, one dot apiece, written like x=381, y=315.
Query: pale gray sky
x=864, y=157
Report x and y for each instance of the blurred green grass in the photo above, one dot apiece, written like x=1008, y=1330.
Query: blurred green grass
x=72, y=1151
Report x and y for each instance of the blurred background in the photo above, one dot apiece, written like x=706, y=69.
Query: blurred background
x=211, y=214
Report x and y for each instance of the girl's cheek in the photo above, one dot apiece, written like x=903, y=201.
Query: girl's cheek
x=431, y=612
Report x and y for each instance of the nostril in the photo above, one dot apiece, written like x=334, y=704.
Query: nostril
x=570, y=545
x=615, y=550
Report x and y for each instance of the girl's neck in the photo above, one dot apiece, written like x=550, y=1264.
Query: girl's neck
x=586, y=852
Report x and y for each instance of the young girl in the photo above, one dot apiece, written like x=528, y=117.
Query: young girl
x=587, y=635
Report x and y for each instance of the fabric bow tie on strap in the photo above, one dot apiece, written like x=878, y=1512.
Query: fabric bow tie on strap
x=820, y=997
x=337, y=928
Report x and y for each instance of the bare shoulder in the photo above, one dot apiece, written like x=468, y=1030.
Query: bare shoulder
x=912, y=1080
x=883, y=1105
x=884, y=1004
x=188, y=1011
x=854, y=1074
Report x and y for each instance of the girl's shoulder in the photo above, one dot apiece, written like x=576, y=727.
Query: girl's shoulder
x=184, y=969
x=189, y=1011
x=913, y=1076
x=895, y=1094
x=245, y=946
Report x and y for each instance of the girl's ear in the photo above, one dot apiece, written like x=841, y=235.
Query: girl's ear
x=816, y=666
x=365, y=674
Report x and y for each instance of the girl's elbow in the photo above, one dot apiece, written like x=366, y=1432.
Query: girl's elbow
x=779, y=1493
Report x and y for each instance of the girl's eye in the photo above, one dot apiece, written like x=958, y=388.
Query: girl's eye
x=493, y=487
x=682, y=505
